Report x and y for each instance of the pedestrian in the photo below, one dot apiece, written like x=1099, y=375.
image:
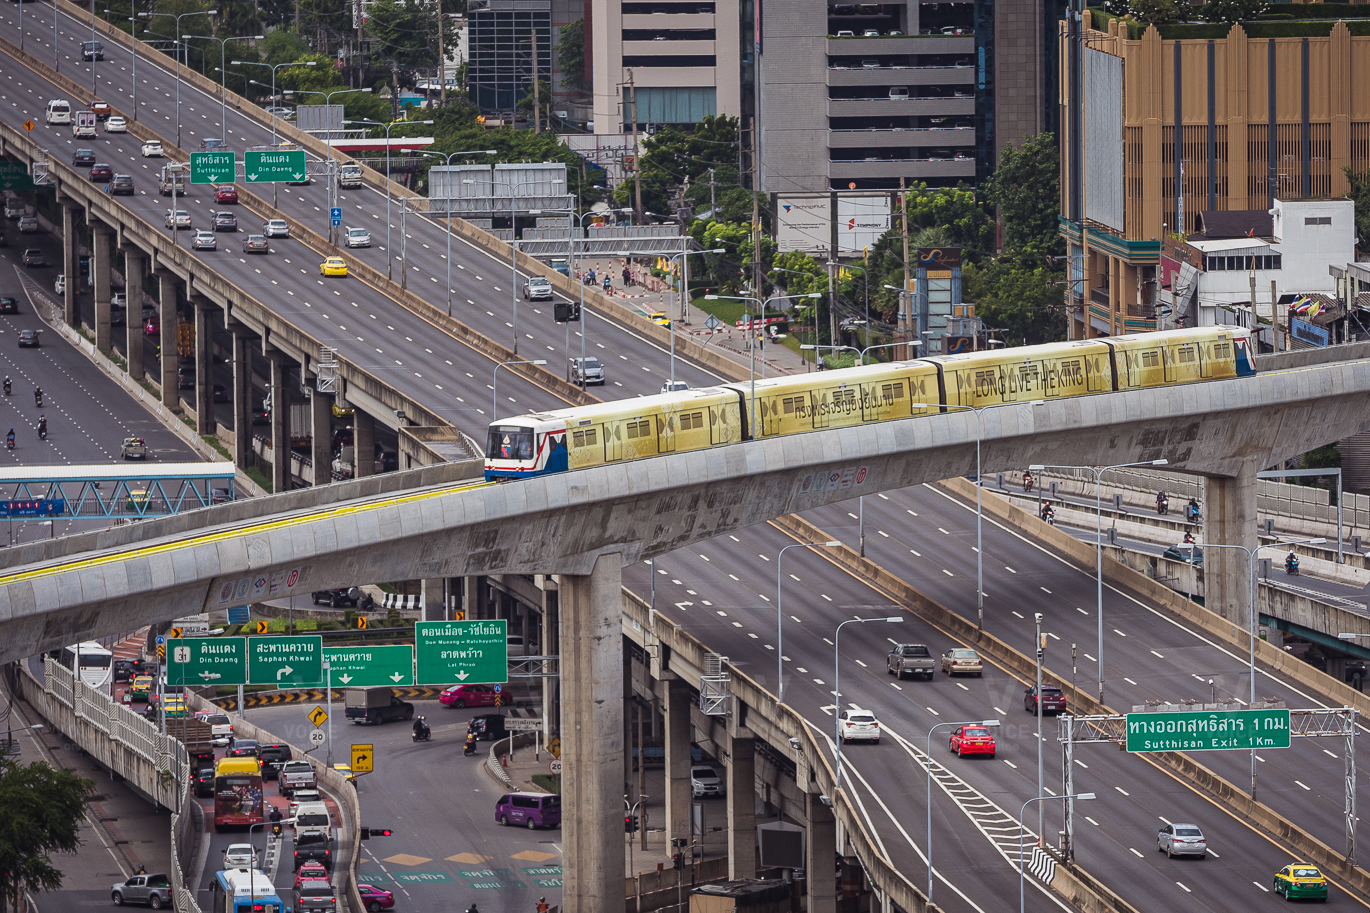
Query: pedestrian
x=608, y=284
x=627, y=277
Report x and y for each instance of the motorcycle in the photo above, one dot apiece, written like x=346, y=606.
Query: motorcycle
x=1291, y=566
x=1162, y=505
x=275, y=828
x=42, y=431
x=9, y=442
x=1027, y=481
x=7, y=386
x=38, y=399
x=470, y=747
x=423, y=735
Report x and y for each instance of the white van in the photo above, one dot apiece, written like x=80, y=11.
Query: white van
x=58, y=111
x=312, y=817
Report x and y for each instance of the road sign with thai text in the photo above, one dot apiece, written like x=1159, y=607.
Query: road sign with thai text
x=1219, y=730
x=213, y=167
x=207, y=661
x=274, y=167
x=289, y=662
x=363, y=757
x=461, y=651
x=364, y=666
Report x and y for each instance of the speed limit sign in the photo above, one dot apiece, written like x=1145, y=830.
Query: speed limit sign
x=554, y=766
x=316, y=736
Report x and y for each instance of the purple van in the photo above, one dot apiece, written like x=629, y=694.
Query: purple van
x=528, y=810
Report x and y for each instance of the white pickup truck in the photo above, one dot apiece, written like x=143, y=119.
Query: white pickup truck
x=296, y=775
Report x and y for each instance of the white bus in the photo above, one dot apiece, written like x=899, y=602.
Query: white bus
x=94, y=663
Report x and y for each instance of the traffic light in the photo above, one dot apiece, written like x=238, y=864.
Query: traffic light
x=630, y=824
x=369, y=832
x=677, y=860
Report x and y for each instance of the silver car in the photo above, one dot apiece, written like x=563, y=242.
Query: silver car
x=705, y=781
x=153, y=890
x=357, y=237
x=240, y=856
x=205, y=240
x=593, y=371
x=277, y=228
x=1182, y=840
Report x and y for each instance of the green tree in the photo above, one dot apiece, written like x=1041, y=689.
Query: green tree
x=802, y=274
x=41, y=811
x=544, y=103
x=1233, y=10
x=957, y=211
x=1156, y=11
x=571, y=56
x=675, y=155
x=408, y=31
x=283, y=46
x=1026, y=189
x=1022, y=300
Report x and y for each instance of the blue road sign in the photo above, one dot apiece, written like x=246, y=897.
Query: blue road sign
x=336, y=215
x=499, y=688
x=34, y=508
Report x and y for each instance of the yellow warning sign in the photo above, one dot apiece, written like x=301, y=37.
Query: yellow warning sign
x=318, y=716
x=174, y=632
x=29, y=125
x=261, y=627
x=554, y=747
x=363, y=757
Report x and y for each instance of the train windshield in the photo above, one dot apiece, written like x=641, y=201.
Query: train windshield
x=509, y=442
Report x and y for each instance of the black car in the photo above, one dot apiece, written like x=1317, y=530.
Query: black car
x=123, y=668
x=487, y=727
x=314, y=847
x=9, y=305
x=1185, y=552
x=344, y=596
x=225, y=221
x=92, y=50
x=28, y=339
x=213, y=145
x=83, y=157
x=204, y=783
x=273, y=756
x=34, y=257
x=147, y=667
x=120, y=185
x=221, y=394
x=243, y=748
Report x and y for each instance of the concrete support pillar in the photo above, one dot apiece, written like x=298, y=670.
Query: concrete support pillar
x=242, y=398
x=629, y=732
x=432, y=601
x=592, y=738
x=135, y=265
x=280, y=424
x=204, y=369
x=741, y=789
x=679, y=700
x=321, y=435
x=99, y=265
x=1230, y=519
x=820, y=863
x=70, y=265
x=168, y=315
x=363, y=443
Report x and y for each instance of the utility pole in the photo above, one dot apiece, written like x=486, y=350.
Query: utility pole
x=637, y=157
x=394, y=96
x=907, y=296
x=832, y=307
x=442, y=60
x=756, y=226
x=537, y=97
x=713, y=202
x=297, y=18
x=1274, y=319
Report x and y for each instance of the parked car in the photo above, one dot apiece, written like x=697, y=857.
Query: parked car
x=226, y=194
x=972, y=739
x=705, y=781
x=530, y=810
x=225, y=221
x=205, y=240
x=1182, y=840
x=83, y=158
x=153, y=890
x=357, y=237
x=33, y=258
x=857, y=724
x=962, y=662
x=256, y=244
x=101, y=172
x=910, y=659
x=461, y=696
x=1053, y=699
x=116, y=124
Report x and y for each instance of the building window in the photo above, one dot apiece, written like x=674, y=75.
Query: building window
x=500, y=66
x=660, y=105
x=1243, y=263
x=669, y=35
x=1317, y=220
x=666, y=60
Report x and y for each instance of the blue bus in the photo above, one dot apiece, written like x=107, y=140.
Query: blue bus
x=245, y=891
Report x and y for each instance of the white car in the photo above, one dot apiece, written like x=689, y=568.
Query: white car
x=220, y=727
x=858, y=724
x=276, y=228
x=59, y=285
x=116, y=125
x=179, y=219
x=357, y=237
x=705, y=781
x=152, y=149
x=240, y=856
x=674, y=386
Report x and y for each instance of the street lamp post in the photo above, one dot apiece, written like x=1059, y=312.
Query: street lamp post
x=837, y=682
x=447, y=217
x=779, y=616
x=389, y=257
x=1099, y=540
x=927, y=752
x=178, y=18
x=751, y=343
x=1022, y=899
x=223, y=77
x=494, y=381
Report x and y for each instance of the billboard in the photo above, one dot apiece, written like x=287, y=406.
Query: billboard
x=319, y=117
x=1103, y=122
x=803, y=222
x=861, y=220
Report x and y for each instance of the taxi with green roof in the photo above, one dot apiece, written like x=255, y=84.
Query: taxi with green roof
x=1299, y=880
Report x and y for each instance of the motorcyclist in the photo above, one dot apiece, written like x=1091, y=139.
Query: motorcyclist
x=7, y=385
x=275, y=818
x=1188, y=537
x=1027, y=481
x=1291, y=563
x=1193, y=508
x=420, y=727
x=608, y=284
x=43, y=426
x=9, y=439
x=470, y=747
x=542, y=905
x=38, y=396
x=1162, y=502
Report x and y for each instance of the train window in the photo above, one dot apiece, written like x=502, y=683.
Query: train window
x=689, y=420
x=891, y=392
x=510, y=444
x=641, y=428
x=586, y=438
x=1222, y=350
x=1186, y=354
x=1151, y=359
x=792, y=404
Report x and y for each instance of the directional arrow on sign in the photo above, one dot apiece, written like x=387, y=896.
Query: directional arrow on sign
x=397, y=677
x=252, y=177
x=208, y=676
x=298, y=176
x=344, y=679
x=461, y=676
x=283, y=672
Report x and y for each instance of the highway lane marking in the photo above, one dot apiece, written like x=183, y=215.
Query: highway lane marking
x=1019, y=614
x=1301, y=783
x=1135, y=853
x=1186, y=890
x=962, y=687
x=1044, y=590
x=1157, y=655
x=1119, y=633
x=1091, y=821
x=1123, y=791
x=1261, y=886
x=1009, y=569
x=896, y=686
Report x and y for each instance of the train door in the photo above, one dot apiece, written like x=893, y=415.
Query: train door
x=613, y=442
x=665, y=433
x=1204, y=352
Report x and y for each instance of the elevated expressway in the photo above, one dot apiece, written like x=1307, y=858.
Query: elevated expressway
x=584, y=526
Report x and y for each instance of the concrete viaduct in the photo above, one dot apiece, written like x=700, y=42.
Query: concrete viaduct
x=584, y=526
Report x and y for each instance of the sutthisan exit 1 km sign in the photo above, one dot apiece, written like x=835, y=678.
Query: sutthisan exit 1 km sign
x=461, y=651
x=1214, y=731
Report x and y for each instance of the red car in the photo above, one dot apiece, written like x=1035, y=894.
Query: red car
x=227, y=194
x=468, y=696
x=152, y=327
x=972, y=740
x=376, y=899
x=102, y=172
x=311, y=869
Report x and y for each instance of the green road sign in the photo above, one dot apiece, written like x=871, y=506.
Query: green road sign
x=274, y=167
x=290, y=662
x=363, y=666
x=207, y=661
x=461, y=651
x=1214, y=731
x=15, y=176
x=212, y=167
